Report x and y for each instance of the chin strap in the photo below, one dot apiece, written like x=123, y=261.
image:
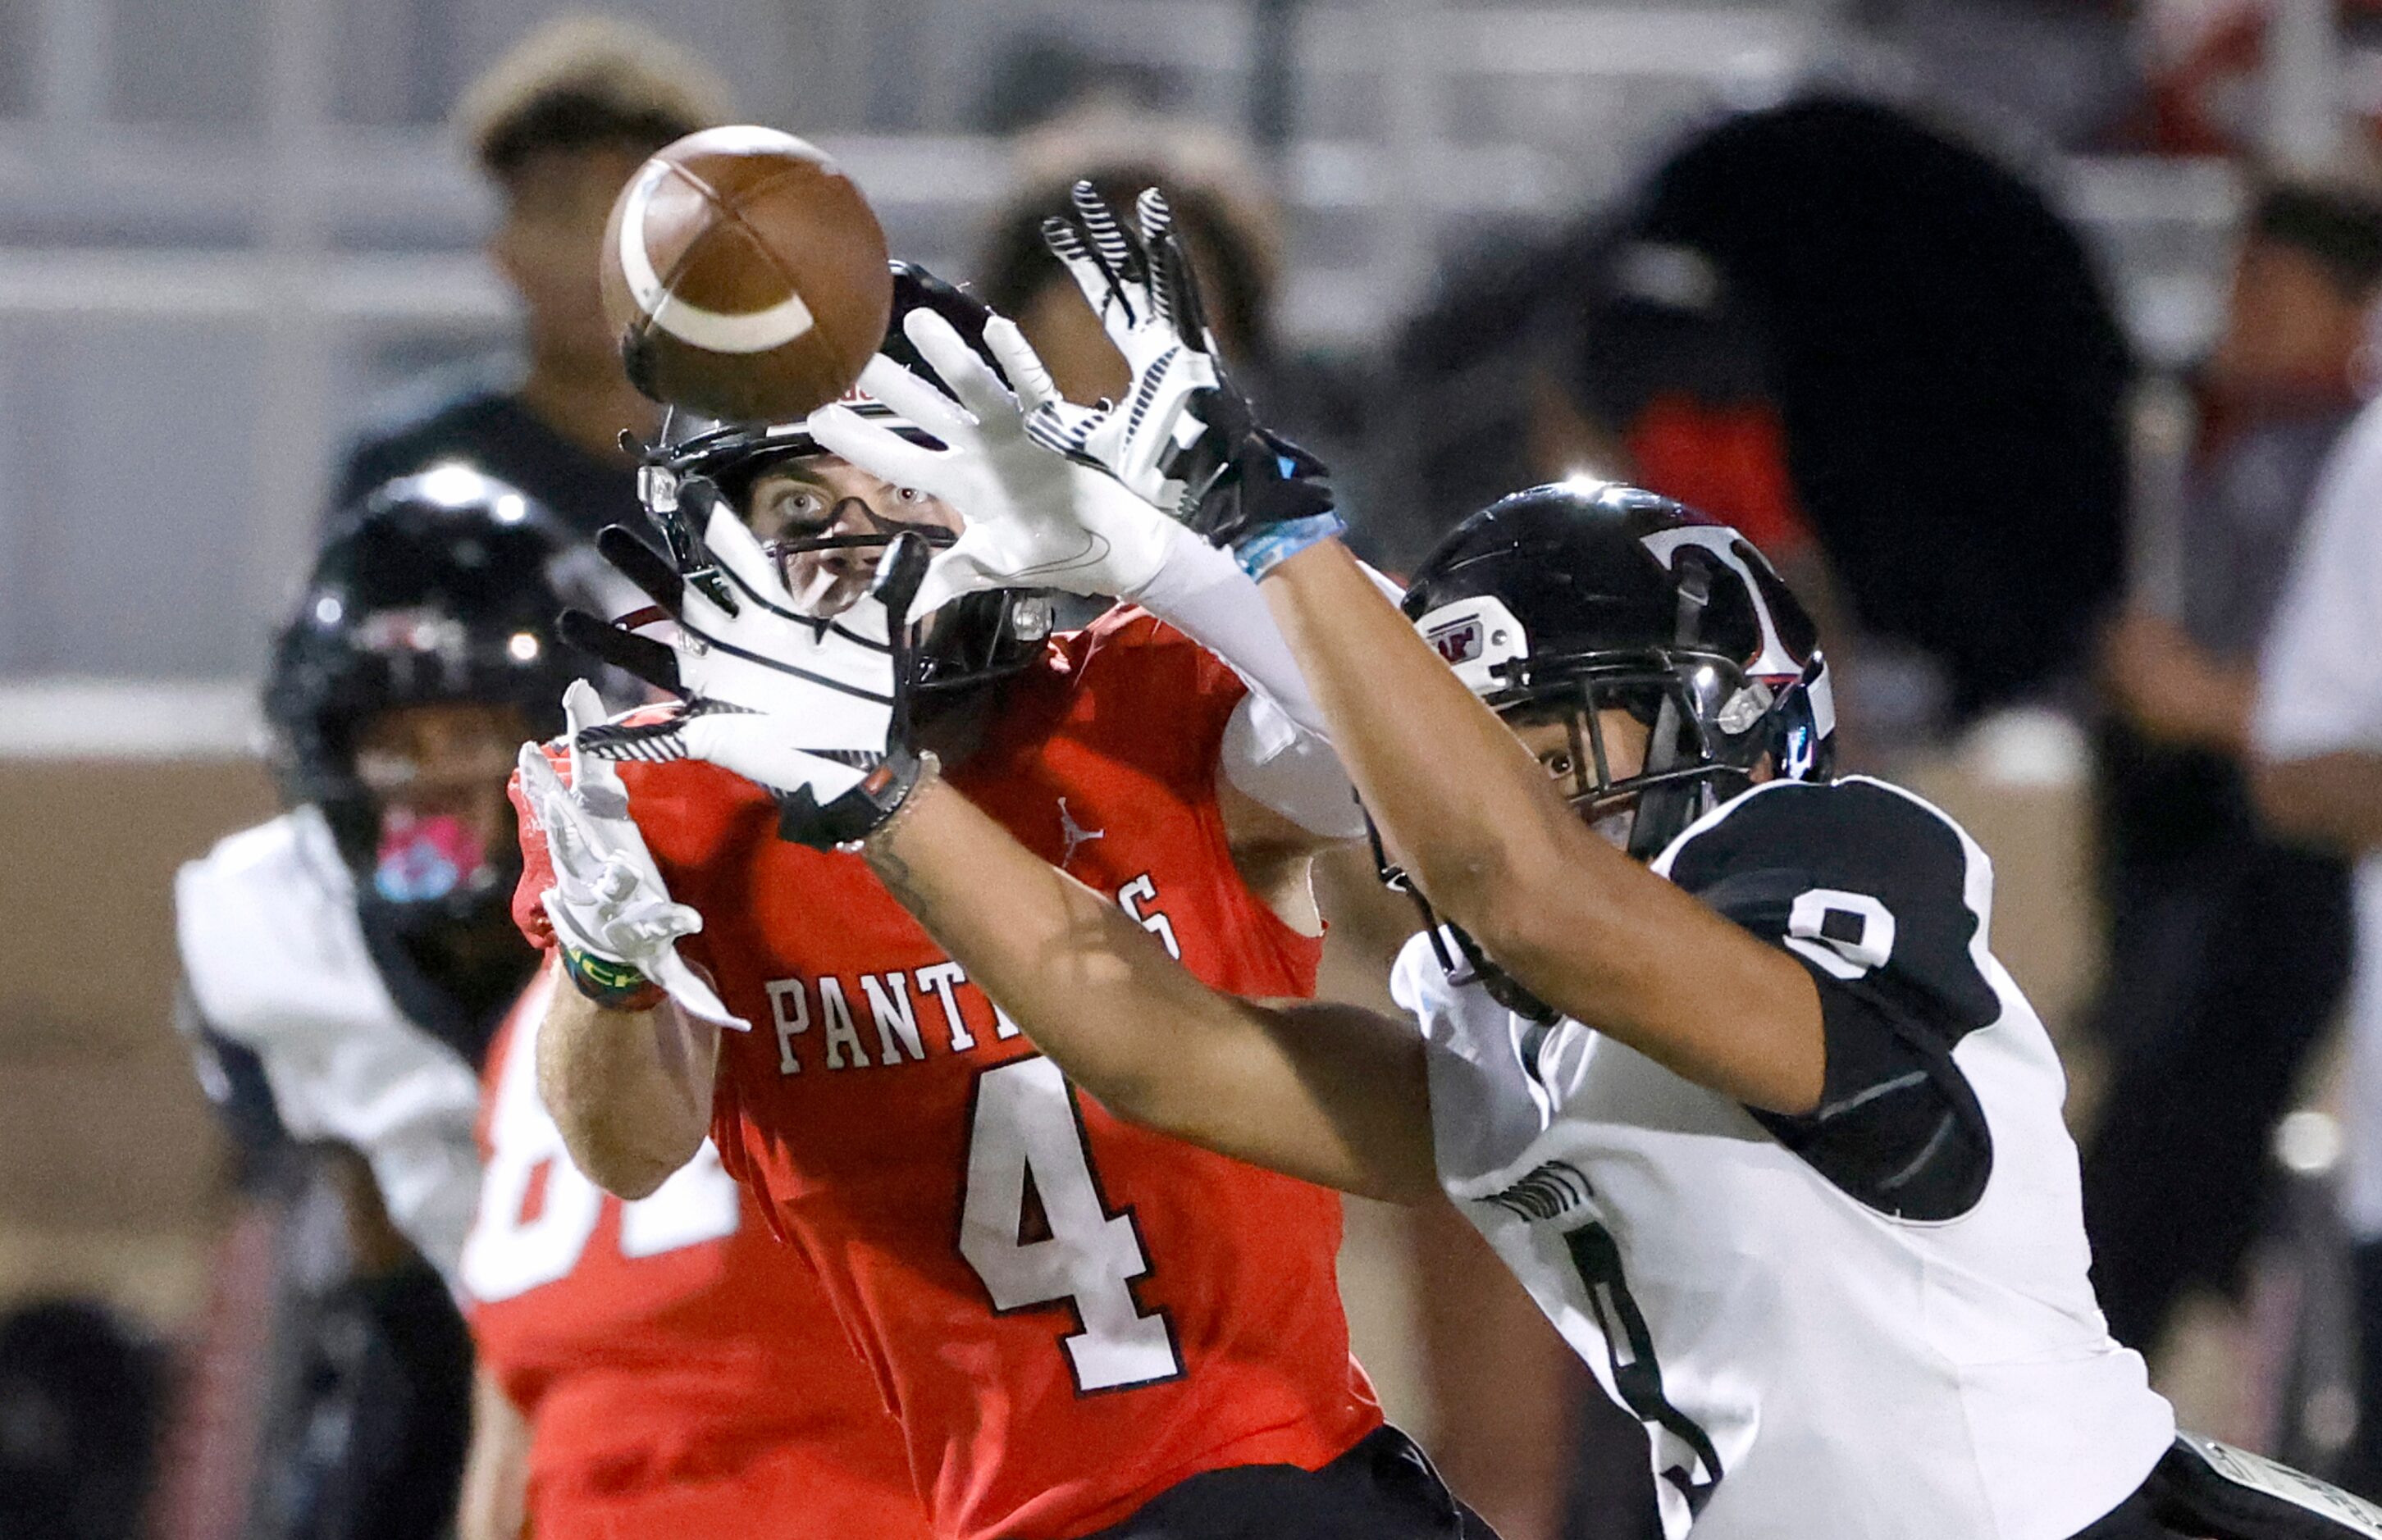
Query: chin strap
x=1475, y=966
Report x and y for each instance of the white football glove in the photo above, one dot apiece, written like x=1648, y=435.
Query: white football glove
x=804, y=707
x=608, y=898
x=1034, y=519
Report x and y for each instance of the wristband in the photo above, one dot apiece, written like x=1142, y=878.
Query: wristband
x=1268, y=549
x=930, y=768
x=614, y=985
x=844, y=821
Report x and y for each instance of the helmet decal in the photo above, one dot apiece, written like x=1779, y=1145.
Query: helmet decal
x=1478, y=637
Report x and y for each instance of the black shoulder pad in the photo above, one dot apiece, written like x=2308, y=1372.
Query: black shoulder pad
x=1886, y=903
x=1862, y=881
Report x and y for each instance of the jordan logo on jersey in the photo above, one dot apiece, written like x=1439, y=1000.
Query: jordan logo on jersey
x=1075, y=834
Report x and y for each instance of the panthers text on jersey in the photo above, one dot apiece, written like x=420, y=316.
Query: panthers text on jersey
x=679, y=1368
x=1874, y=1321
x=1068, y=1314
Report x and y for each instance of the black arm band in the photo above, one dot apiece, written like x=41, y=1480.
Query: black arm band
x=852, y=816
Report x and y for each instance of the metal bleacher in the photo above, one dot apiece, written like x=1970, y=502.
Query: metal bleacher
x=229, y=228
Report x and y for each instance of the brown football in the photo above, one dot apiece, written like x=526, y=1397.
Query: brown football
x=745, y=275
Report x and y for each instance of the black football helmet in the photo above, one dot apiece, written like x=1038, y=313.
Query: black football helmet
x=969, y=641
x=441, y=587
x=1565, y=601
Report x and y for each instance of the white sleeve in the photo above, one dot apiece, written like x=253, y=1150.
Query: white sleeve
x=1276, y=747
x=1270, y=758
x=403, y=1101
x=1202, y=592
x=275, y=962
x=2319, y=688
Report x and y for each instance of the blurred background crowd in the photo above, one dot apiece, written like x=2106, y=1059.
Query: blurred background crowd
x=2029, y=337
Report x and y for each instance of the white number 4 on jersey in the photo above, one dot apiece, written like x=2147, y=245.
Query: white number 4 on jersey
x=1024, y=1131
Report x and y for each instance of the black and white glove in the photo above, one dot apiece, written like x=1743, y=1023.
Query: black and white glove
x=813, y=710
x=1184, y=438
x=1034, y=519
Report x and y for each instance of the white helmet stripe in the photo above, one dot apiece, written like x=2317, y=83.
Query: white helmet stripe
x=1823, y=697
x=1774, y=659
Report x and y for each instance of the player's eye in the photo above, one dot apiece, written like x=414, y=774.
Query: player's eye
x=908, y=496
x=1559, y=764
x=799, y=510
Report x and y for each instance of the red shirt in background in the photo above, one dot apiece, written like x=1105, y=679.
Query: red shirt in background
x=681, y=1369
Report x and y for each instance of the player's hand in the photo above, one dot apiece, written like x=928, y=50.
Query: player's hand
x=1186, y=438
x=608, y=902
x=811, y=710
x=1035, y=519
x=1142, y=291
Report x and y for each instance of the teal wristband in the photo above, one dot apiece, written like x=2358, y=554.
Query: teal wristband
x=1268, y=549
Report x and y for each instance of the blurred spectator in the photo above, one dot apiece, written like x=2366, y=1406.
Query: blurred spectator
x=1828, y=308
x=2229, y=947
x=80, y=1398
x=1229, y=234
x=556, y=127
x=2212, y=68
x=2316, y=742
x=1670, y=374
x=1667, y=383
x=1949, y=373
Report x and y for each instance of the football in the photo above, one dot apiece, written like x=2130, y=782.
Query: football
x=745, y=275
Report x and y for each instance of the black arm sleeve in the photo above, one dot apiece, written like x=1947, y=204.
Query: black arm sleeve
x=1884, y=903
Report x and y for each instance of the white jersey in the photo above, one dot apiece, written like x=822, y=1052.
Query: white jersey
x=275, y=959
x=2318, y=694
x=1871, y=1322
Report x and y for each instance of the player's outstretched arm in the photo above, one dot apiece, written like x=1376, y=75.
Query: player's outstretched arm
x=1479, y=827
x=1329, y=1094
x=627, y=1052
x=1035, y=519
x=629, y=1090
x=1474, y=821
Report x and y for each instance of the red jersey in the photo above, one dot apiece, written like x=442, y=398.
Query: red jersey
x=1068, y=1314
x=681, y=1369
